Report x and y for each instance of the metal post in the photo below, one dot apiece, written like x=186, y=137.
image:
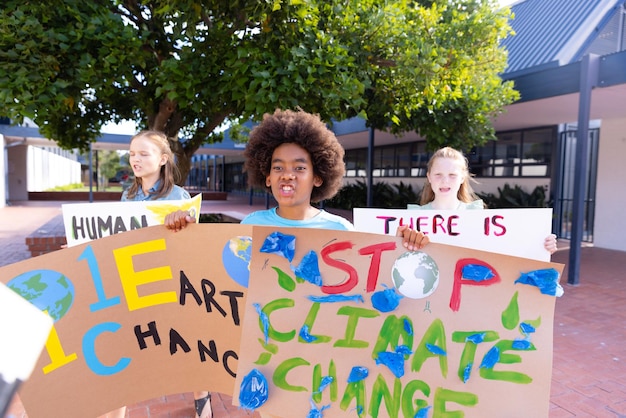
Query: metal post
x=588, y=80
x=370, y=169
x=90, y=173
x=223, y=177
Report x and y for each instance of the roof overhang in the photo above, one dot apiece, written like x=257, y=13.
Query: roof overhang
x=550, y=96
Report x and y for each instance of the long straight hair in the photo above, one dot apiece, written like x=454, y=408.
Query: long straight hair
x=168, y=173
x=465, y=194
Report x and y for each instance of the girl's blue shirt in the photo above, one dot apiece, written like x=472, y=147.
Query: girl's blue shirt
x=177, y=193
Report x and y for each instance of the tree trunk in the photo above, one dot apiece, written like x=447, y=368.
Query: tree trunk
x=169, y=121
x=183, y=161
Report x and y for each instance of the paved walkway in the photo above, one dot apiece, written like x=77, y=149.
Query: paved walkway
x=589, y=372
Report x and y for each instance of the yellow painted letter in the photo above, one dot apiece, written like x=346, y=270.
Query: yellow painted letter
x=131, y=279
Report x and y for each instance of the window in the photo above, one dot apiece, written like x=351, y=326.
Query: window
x=526, y=153
x=419, y=159
x=356, y=163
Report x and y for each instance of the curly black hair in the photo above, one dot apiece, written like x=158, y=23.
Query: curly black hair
x=305, y=130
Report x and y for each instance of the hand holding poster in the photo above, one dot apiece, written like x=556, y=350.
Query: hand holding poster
x=85, y=222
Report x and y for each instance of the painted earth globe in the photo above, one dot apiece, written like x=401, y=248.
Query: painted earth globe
x=48, y=290
x=236, y=258
x=415, y=275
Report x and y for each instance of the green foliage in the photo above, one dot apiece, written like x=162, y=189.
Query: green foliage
x=397, y=196
x=80, y=187
x=67, y=187
x=186, y=67
x=216, y=218
x=108, y=163
x=442, y=79
x=384, y=196
x=516, y=197
x=208, y=218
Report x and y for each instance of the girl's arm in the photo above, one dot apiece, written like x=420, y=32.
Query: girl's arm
x=413, y=240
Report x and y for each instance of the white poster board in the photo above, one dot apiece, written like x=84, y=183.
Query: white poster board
x=517, y=232
x=24, y=330
x=85, y=222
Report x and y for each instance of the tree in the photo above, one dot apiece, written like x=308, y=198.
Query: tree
x=186, y=67
x=109, y=164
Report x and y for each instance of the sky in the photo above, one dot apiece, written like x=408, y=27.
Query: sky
x=124, y=128
x=129, y=128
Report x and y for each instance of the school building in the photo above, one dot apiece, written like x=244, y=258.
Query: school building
x=567, y=60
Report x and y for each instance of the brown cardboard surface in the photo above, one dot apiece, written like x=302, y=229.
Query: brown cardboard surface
x=353, y=333
x=152, y=313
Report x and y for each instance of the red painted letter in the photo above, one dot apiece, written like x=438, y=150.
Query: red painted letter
x=353, y=277
x=376, y=251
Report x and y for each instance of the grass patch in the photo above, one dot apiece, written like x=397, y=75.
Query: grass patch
x=80, y=187
x=213, y=218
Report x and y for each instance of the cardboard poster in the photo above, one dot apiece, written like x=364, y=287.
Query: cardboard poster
x=349, y=324
x=85, y=222
x=150, y=312
x=136, y=316
x=518, y=232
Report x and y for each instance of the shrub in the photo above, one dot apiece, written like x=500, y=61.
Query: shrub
x=384, y=196
x=213, y=218
x=516, y=197
x=397, y=196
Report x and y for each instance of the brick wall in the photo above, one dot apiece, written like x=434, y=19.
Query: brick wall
x=47, y=238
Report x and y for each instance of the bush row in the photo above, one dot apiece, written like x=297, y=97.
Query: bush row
x=397, y=196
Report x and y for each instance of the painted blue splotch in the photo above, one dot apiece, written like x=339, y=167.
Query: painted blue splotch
x=526, y=328
x=467, y=371
x=280, y=244
x=435, y=349
x=521, y=344
x=309, y=269
x=336, y=298
x=546, y=280
x=386, y=300
x=477, y=338
x=357, y=374
x=491, y=358
x=264, y=321
x=253, y=391
x=304, y=334
x=422, y=412
x=408, y=326
x=326, y=381
x=316, y=413
x=394, y=360
x=477, y=273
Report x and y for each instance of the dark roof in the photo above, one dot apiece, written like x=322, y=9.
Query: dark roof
x=552, y=33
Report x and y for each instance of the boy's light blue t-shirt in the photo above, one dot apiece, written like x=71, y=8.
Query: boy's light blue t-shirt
x=323, y=220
